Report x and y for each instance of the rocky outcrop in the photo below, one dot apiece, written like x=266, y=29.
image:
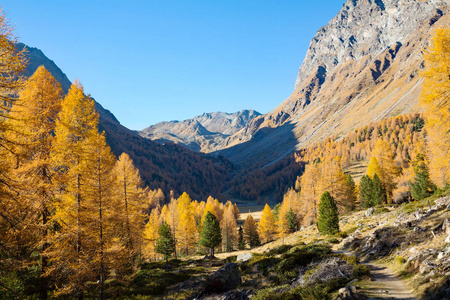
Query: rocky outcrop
x=202, y=133
x=226, y=278
x=362, y=66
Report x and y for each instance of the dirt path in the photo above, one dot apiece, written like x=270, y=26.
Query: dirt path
x=385, y=285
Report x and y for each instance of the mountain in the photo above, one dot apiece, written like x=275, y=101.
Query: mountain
x=361, y=67
x=169, y=166
x=202, y=133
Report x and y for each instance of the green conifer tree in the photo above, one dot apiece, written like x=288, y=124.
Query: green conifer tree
x=379, y=193
x=351, y=190
x=211, y=236
x=241, y=241
x=276, y=211
x=328, y=221
x=422, y=187
x=291, y=219
x=365, y=191
x=165, y=244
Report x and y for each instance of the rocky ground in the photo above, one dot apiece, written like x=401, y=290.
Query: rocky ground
x=391, y=252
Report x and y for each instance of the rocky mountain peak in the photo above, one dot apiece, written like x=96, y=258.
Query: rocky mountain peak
x=365, y=27
x=202, y=133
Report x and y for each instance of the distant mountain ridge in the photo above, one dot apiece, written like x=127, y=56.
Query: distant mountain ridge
x=202, y=133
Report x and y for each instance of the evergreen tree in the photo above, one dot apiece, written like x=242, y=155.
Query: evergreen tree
x=365, y=191
x=276, y=211
x=422, y=187
x=351, y=187
x=241, y=241
x=378, y=192
x=328, y=220
x=291, y=220
x=211, y=236
x=165, y=244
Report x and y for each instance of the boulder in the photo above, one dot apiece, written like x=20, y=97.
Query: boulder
x=330, y=269
x=369, y=211
x=350, y=293
x=226, y=278
x=244, y=257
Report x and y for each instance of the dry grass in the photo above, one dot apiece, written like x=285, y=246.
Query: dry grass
x=254, y=210
x=357, y=169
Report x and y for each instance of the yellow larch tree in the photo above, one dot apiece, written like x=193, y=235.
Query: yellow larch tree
x=12, y=62
x=100, y=211
x=310, y=193
x=187, y=233
x=435, y=98
x=334, y=180
x=229, y=228
x=290, y=201
x=388, y=169
x=68, y=250
x=373, y=168
x=132, y=196
x=172, y=217
x=250, y=232
x=266, y=226
x=150, y=235
x=33, y=118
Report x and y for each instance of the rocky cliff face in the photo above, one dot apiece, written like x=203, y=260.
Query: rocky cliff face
x=362, y=66
x=202, y=133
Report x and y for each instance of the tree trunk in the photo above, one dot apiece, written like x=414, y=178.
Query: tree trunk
x=102, y=275
x=44, y=281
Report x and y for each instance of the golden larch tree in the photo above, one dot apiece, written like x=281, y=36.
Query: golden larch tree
x=266, y=226
x=33, y=118
x=436, y=99
x=388, y=169
x=12, y=62
x=68, y=250
x=132, y=195
x=100, y=206
x=310, y=193
x=150, y=235
x=229, y=228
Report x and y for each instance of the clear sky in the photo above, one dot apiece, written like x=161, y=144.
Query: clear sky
x=150, y=61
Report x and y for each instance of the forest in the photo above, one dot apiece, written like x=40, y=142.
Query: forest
x=77, y=221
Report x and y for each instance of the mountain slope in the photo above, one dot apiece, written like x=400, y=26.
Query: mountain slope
x=202, y=133
x=361, y=67
x=169, y=167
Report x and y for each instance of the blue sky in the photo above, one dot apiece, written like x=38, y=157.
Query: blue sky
x=151, y=61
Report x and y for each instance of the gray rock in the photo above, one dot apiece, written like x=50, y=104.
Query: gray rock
x=226, y=278
x=244, y=257
x=369, y=211
x=330, y=269
x=350, y=293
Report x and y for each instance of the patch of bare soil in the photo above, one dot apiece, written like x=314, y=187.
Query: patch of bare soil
x=385, y=285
